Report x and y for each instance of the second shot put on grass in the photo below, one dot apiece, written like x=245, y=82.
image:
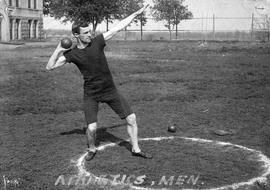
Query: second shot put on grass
x=88, y=55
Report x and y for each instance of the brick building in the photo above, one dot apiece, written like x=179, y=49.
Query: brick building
x=21, y=20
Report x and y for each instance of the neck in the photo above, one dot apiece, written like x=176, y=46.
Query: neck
x=81, y=45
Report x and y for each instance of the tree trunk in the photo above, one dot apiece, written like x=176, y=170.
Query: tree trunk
x=125, y=33
x=107, y=24
x=170, y=32
x=94, y=28
x=141, y=28
x=176, y=31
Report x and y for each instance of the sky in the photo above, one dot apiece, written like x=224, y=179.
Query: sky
x=201, y=9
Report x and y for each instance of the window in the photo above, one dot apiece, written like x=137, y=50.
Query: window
x=35, y=4
x=17, y=3
x=10, y=2
x=29, y=3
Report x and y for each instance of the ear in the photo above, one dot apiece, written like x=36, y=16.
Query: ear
x=76, y=35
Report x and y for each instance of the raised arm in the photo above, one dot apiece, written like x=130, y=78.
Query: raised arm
x=56, y=60
x=124, y=23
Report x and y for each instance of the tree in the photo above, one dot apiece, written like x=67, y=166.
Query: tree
x=127, y=7
x=89, y=11
x=172, y=11
x=46, y=9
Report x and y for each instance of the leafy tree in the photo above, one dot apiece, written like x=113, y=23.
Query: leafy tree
x=46, y=4
x=172, y=11
x=90, y=11
x=127, y=7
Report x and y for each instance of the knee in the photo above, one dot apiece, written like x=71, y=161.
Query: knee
x=131, y=119
x=92, y=127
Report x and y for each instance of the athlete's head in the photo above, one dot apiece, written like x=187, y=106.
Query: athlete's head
x=82, y=32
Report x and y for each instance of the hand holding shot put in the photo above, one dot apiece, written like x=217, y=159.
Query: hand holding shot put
x=66, y=43
x=88, y=55
x=56, y=60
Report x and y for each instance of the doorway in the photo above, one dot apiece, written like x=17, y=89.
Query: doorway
x=29, y=28
x=17, y=26
x=11, y=29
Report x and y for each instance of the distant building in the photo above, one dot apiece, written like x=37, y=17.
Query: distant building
x=21, y=19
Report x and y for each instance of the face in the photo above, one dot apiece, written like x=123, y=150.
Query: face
x=85, y=35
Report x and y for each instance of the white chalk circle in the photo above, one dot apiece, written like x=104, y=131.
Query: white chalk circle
x=264, y=160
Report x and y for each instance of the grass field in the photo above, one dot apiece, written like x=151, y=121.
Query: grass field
x=222, y=86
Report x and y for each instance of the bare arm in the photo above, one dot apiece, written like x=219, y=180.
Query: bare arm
x=124, y=23
x=56, y=60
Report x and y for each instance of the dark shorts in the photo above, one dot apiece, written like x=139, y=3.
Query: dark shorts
x=115, y=100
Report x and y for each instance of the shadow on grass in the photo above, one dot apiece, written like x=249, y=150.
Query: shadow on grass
x=74, y=131
x=103, y=135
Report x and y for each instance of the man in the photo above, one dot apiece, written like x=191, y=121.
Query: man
x=89, y=57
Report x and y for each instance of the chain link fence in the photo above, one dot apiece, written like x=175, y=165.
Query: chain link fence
x=205, y=28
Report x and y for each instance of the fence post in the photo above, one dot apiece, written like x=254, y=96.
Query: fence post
x=214, y=27
x=252, y=26
x=268, y=28
x=202, y=30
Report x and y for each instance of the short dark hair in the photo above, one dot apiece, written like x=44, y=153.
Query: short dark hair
x=76, y=27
